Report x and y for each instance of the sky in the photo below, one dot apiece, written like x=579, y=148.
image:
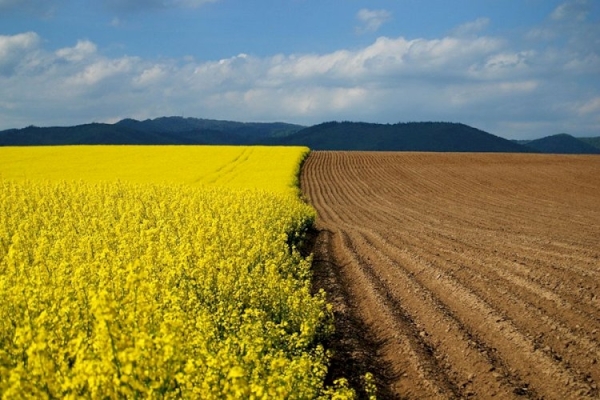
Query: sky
x=519, y=69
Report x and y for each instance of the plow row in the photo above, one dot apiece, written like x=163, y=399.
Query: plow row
x=461, y=275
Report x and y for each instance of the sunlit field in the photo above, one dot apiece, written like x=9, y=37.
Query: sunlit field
x=157, y=272
x=256, y=167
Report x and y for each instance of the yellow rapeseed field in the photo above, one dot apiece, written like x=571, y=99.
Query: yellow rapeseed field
x=256, y=167
x=129, y=272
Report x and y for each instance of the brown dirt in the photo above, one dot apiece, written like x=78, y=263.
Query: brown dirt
x=461, y=275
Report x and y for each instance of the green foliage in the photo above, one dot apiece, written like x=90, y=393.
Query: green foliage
x=594, y=141
x=165, y=130
x=562, y=144
x=413, y=136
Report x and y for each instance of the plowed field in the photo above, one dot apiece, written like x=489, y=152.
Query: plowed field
x=461, y=275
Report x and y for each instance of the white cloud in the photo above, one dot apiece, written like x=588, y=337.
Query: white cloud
x=82, y=50
x=16, y=50
x=569, y=21
x=150, y=76
x=506, y=65
x=590, y=107
x=572, y=10
x=584, y=63
x=472, y=27
x=386, y=57
x=9, y=45
x=479, y=80
x=100, y=70
x=371, y=20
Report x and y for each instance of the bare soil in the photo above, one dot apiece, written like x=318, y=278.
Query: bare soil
x=460, y=275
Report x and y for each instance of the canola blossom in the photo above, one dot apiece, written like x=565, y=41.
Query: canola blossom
x=239, y=167
x=117, y=289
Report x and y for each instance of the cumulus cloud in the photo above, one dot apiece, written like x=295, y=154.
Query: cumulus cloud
x=569, y=31
x=82, y=50
x=371, y=20
x=568, y=20
x=149, y=76
x=590, y=107
x=480, y=80
x=573, y=10
x=16, y=50
x=472, y=27
x=101, y=70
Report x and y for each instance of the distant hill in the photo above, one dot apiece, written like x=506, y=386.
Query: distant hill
x=81, y=134
x=165, y=130
x=562, y=144
x=594, y=141
x=413, y=136
x=246, y=130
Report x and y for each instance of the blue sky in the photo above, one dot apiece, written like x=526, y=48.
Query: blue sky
x=515, y=68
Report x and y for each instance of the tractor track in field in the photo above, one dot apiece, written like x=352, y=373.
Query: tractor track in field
x=460, y=275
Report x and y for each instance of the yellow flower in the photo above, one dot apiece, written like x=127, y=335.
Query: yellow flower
x=122, y=286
